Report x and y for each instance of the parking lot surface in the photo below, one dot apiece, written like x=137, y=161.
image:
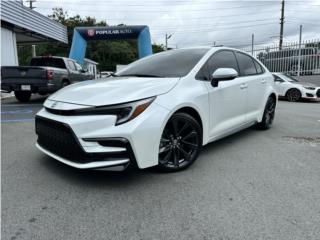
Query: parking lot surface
x=251, y=185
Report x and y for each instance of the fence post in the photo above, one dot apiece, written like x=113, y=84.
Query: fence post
x=252, y=44
x=299, y=58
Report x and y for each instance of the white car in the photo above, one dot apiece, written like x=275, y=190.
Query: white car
x=291, y=89
x=158, y=111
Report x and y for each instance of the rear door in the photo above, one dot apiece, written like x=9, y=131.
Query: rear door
x=228, y=100
x=252, y=74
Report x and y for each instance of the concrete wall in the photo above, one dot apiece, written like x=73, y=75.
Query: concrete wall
x=9, y=53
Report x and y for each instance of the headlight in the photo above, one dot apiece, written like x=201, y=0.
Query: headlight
x=129, y=111
x=309, y=88
x=124, y=112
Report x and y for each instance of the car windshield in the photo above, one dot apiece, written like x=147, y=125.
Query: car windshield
x=173, y=63
x=289, y=78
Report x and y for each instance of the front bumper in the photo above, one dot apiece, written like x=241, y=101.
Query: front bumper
x=94, y=142
x=312, y=94
x=119, y=164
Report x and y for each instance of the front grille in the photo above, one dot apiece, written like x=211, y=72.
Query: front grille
x=318, y=93
x=59, y=139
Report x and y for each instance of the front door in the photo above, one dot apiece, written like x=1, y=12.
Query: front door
x=229, y=99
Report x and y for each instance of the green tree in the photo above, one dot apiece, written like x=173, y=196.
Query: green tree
x=107, y=53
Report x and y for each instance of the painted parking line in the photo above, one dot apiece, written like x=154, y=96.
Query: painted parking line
x=17, y=120
x=21, y=105
x=18, y=111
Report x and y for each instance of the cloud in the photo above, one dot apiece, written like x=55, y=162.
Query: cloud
x=202, y=22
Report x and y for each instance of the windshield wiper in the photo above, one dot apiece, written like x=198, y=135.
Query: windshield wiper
x=139, y=75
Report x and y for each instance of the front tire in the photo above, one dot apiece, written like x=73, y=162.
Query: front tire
x=268, y=114
x=180, y=143
x=22, y=96
x=293, y=95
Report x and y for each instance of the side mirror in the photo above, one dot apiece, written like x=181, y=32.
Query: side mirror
x=83, y=71
x=223, y=74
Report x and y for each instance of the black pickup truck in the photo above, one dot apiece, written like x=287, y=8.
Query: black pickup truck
x=44, y=75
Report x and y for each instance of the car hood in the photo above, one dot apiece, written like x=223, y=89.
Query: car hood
x=113, y=90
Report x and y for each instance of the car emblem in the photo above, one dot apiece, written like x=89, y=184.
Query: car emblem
x=54, y=104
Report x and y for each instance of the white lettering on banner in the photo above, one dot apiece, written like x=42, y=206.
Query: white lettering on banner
x=113, y=32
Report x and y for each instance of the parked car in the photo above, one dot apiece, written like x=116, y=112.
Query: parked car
x=287, y=60
x=291, y=89
x=44, y=75
x=159, y=110
x=105, y=74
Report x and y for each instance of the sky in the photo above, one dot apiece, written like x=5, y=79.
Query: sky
x=202, y=22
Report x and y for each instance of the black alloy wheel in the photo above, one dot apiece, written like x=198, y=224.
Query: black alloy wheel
x=268, y=115
x=180, y=142
x=293, y=95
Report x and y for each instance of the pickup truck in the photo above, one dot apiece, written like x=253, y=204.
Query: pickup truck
x=44, y=75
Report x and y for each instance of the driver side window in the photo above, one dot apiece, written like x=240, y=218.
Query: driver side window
x=221, y=59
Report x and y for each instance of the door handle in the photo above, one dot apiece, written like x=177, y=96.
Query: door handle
x=263, y=81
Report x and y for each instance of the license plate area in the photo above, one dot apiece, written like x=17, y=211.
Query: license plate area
x=25, y=87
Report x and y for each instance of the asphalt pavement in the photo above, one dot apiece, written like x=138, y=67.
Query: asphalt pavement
x=251, y=185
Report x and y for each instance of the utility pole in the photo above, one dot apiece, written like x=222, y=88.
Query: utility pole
x=281, y=25
x=168, y=36
x=30, y=3
x=252, y=44
x=33, y=47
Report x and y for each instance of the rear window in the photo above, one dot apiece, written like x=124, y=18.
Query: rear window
x=48, y=62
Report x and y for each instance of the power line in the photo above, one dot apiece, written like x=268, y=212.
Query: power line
x=189, y=18
x=170, y=10
x=205, y=27
x=222, y=29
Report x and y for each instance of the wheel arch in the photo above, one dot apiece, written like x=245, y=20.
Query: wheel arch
x=292, y=89
x=65, y=80
x=192, y=112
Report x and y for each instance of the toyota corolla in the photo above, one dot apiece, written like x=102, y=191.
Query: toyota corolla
x=158, y=111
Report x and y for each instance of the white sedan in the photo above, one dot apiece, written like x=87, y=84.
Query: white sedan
x=158, y=111
x=291, y=89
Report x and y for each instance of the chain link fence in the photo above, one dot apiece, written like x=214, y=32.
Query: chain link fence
x=293, y=58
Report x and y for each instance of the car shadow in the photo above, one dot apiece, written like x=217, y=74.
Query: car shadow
x=133, y=175
x=35, y=99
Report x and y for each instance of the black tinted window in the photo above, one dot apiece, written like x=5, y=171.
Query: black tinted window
x=258, y=67
x=277, y=79
x=222, y=59
x=48, y=62
x=173, y=63
x=246, y=64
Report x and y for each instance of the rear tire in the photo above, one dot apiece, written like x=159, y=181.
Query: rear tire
x=22, y=96
x=268, y=114
x=180, y=143
x=65, y=83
